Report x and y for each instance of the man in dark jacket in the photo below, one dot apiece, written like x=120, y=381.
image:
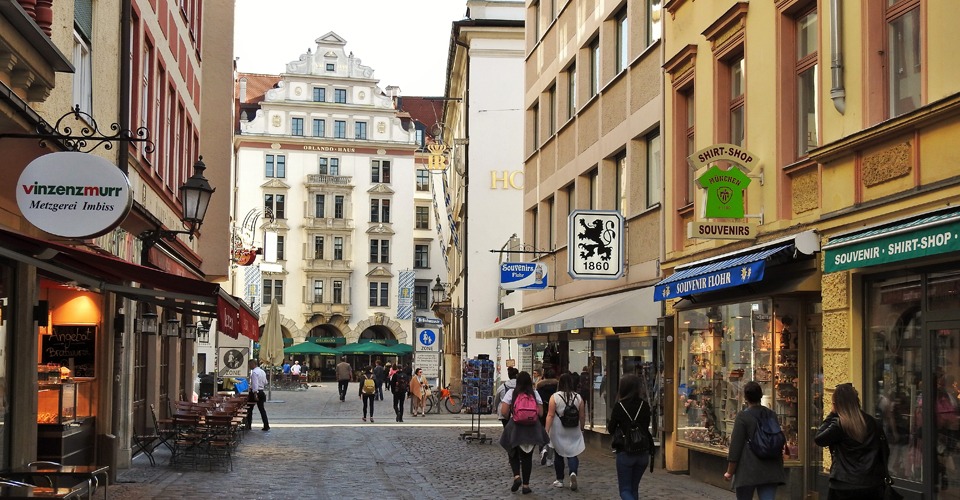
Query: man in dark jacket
x=546, y=387
x=380, y=378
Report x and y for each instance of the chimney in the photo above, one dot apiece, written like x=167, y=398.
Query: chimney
x=243, y=89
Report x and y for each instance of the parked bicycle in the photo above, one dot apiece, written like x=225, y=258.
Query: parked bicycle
x=284, y=382
x=452, y=403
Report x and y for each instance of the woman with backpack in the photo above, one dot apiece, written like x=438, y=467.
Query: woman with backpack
x=629, y=425
x=565, y=419
x=858, y=450
x=753, y=473
x=521, y=406
x=368, y=391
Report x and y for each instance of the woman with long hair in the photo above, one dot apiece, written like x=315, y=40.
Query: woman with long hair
x=418, y=391
x=856, y=448
x=520, y=438
x=631, y=410
x=566, y=439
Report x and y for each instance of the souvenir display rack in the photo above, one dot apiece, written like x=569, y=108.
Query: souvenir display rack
x=478, y=392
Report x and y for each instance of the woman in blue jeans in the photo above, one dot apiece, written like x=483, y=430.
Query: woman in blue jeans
x=631, y=409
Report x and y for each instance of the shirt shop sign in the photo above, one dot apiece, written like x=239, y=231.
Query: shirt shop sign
x=908, y=245
x=724, y=193
x=74, y=195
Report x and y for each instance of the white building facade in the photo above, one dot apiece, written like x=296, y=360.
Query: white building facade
x=324, y=161
x=483, y=126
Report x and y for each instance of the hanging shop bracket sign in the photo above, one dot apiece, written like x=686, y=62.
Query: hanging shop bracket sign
x=886, y=247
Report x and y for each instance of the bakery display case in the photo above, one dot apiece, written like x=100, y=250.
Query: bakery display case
x=65, y=422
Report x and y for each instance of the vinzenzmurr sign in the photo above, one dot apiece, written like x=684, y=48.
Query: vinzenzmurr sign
x=74, y=195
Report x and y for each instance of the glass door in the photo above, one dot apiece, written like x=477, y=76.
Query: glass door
x=945, y=341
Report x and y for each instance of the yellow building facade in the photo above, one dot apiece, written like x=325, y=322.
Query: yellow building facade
x=841, y=265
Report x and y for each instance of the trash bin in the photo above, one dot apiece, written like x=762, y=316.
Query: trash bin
x=208, y=383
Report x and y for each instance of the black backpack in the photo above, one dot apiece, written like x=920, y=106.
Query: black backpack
x=634, y=439
x=401, y=383
x=768, y=440
x=571, y=414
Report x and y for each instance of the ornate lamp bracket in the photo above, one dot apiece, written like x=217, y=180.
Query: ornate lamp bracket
x=87, y=136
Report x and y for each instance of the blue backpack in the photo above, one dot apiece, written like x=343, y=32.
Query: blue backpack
x=768, y=441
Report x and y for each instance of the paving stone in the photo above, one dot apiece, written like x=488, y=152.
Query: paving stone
x=319, y=448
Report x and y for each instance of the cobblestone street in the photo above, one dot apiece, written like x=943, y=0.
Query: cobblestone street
x=319, y=448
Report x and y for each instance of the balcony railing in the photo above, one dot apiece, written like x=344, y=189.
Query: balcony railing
x=325, y=308
x=327, y=223
x=338, y=180
x=327, y=265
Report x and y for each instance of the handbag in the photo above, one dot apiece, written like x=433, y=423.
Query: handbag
x=889, y=493
x=427, y=392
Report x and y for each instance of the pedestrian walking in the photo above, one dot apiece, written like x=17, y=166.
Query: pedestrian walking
x=380, y=378
x=857, y=448
x=523, y=432
x=344, y=373
x=510, y=383
x=586, y=386
x=399, y=386
x=418, y=390
x=368, y=391
x=258, y=381
x=749, y=472
x=545, y=388
x=566, y=416
x=631, y=413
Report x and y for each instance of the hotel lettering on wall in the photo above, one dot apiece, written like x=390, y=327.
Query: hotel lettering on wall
x=724, y=192
x=504, y=179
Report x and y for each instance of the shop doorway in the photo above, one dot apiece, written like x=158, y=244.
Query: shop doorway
x=944, y=454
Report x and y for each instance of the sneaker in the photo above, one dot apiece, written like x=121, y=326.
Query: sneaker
x=573, y=481
x=558, y=484
x=364, y=419
x=371, y=420
x=543, y=456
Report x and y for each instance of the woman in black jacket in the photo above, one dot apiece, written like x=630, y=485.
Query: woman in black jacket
x=854, y=437
x=630, y=409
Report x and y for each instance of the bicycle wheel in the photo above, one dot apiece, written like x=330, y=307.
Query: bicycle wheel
x=454, y=404
x=428, y=404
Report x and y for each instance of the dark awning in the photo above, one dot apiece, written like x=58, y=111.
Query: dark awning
x=110, y=274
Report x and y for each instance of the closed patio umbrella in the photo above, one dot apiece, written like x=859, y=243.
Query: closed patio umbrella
x=271, y=342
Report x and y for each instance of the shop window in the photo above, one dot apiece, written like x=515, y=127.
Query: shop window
x=722, y=348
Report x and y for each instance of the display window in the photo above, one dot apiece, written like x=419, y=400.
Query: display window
x=723, y=347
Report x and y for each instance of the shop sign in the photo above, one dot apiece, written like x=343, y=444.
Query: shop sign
x=595, y=244
x=74, y=195
x=523, y=276
x=916, y=244
x=740, y=275
x=724, y=192
x=428, y=339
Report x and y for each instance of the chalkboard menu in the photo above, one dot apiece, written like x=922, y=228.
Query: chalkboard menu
x=72, y=346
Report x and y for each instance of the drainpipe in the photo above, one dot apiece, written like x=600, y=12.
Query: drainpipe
x=837, y=92
x=466, y=195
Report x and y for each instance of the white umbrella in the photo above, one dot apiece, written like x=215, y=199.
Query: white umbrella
x=271, y=342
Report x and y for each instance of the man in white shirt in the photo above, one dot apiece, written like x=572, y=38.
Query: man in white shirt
x=295, y=369
x=258, y=382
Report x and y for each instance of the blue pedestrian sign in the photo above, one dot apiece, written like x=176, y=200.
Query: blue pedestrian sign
x=427, y=339
x=523, y=276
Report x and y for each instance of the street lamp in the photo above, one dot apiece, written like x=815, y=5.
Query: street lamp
x=437, y=292
x=148, y=323
x=195, y=196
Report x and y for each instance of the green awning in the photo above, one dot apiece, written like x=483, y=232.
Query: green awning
x=923, y=236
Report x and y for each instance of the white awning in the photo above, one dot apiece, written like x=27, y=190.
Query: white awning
x=632, y=308
x=518, y=325
x=624, y=309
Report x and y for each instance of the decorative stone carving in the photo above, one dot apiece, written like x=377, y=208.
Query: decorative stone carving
x=886, y=165
x=805, y=192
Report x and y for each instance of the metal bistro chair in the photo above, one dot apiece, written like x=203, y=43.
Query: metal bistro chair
x=163, y=429
x=92, y=483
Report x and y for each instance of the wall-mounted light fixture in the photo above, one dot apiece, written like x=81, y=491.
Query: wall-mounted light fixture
x=172, y=328
x=203, y=331
x=190, y=331
x=195, y=196
x=148, y=323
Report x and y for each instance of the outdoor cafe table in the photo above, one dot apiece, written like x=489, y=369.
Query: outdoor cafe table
x=89, y=473
x=25, y=492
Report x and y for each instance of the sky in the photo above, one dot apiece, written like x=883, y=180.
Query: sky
x=405, y=41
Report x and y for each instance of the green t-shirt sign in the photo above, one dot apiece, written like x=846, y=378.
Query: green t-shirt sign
x=724, y=192
x=725, y=188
